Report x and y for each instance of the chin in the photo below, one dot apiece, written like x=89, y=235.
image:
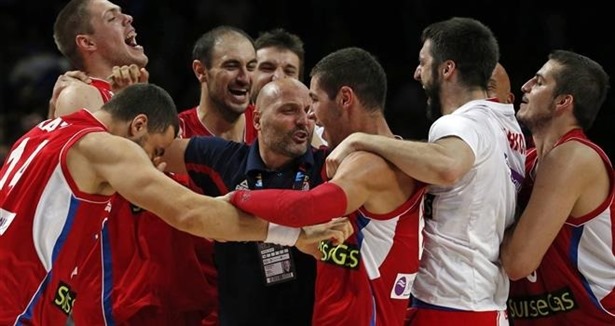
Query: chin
x=142, y=61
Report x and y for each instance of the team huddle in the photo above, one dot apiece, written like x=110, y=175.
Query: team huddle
x=274, y=202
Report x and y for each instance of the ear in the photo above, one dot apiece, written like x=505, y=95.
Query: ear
x=138, y=126
x=345, y=97
x=256, y=119
x=563, y=102
x=511, y=98
x=447, y=68
x=85, y=42
x=199, y=71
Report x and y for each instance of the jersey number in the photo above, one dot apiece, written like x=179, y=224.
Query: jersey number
x=6, y=217
x=14, y=158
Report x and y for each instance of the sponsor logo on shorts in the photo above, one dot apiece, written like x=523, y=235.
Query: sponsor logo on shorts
x=543, y=305
x=64, y=298
x=343, y=255
x=402, y=285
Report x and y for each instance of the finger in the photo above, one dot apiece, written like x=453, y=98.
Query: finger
x=115, y=75
x=125, y=75
x=348, y=230
x=341, y=219
x=330, y=168
x=77, y=74
x=144, y=77
x=162, y=166
x=133, y=73
x=337, y=237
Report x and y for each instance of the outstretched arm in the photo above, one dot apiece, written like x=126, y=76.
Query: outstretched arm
x=442, y=162
x=345, y=193
x=124, y=167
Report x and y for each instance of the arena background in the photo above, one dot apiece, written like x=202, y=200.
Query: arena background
x=527, y=30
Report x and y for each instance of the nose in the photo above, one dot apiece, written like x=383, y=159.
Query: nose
x=311, y=114
x=303, y=118
x=127, y=19
x=278, y=74
x=525, y=88
x=244, y=75
x=417, y=73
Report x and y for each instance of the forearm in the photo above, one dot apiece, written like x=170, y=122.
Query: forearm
x=226, y=222
x=514, y=257
x=293, y=207
x=423, y=161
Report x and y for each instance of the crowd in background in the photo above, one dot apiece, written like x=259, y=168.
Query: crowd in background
x=527, y=31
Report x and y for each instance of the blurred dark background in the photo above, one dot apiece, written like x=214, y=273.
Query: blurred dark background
x=527, y=30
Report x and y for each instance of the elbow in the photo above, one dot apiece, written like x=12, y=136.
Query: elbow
x=449, y=175
x=519, y=269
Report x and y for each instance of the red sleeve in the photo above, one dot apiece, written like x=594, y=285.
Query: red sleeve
x=293, y=208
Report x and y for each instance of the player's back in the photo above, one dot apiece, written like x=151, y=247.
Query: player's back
x=46, y=224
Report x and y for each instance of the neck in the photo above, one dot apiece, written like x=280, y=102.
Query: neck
x=455, y=97
x=545, y=138
x=98, y=70
x=373, y=123
x=220, y=127
x=273, y=161
x=107, y=120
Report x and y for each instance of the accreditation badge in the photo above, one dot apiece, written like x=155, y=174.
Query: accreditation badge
x=277, y=263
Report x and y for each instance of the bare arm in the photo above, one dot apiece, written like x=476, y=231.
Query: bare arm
x=75, y=96
x=368, y=180
x=442, y=162
x=125, y=167
x=362, y=179
x=570, y=181
x=64, y=80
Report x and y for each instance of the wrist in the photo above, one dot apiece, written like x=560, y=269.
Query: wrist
x=282, y=235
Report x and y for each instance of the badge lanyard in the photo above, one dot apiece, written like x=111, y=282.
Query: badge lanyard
x=277, y=261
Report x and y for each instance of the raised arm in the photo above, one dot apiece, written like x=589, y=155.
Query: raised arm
x=570, y=181
x=442, y=162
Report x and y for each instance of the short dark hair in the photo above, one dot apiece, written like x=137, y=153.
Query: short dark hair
x=356, y=68
x=467, y=42
x=585, y=80
x=204, y=46
x=282, y=39
x=148, y=99
x=73, y=19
